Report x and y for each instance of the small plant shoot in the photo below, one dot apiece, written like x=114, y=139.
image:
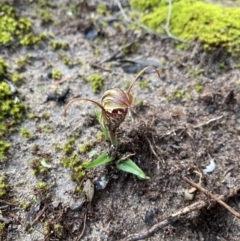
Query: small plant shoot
x=114, y=107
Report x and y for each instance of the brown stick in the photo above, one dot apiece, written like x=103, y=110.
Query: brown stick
x=174, y=217
x=94, y=65
x=214, y=197
x=83, y=229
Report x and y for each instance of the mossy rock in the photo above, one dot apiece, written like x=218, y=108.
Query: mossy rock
x=212, y=24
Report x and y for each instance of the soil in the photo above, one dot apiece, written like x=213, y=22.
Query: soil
x=179, y=123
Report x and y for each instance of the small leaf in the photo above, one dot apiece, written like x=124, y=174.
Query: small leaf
x=101, y=160
x=131, y=167
x=89, y=189
x=45, y=164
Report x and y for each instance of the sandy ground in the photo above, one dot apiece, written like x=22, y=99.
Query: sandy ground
x=176, y=130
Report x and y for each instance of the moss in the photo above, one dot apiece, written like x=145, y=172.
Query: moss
x=56, y=74
x=55, y=45
x=42, y=185
x=17, y=78
x=3, y=67
x=24, y=205
x=22, y=62
x=178, y=94
x=66, y=60
x=213, y=24
x=12, y=26
x=187, y=96
x=68, y=148
x=97, y=52
x=37, y=168
x=99, y=136
x=80, y=61
x=30, y=39
x=58, y=230
x=96, y=80
x=87, y=146
x=144, y=4
x=195, y=73
x=199, y=88
x=46, y=16
x=48, y=129
x=131, y=49
x=75, y=163
x=3, y=185
x=46, y=115
x=143, y=84
x=24, y=132
x=11, y=109
x=4, y=146
x=2, y=226
x=31, y=116
x=46, y=228
x=102, y=8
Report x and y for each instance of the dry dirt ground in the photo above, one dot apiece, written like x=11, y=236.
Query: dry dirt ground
x=181, y=122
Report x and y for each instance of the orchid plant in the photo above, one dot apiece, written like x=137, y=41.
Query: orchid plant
x=114, y=106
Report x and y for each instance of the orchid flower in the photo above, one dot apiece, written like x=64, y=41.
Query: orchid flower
x=114, y=105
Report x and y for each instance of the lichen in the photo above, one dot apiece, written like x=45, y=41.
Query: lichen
x=212, y=24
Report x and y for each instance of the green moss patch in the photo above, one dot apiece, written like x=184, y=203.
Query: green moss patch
x=96, y=80
x=14, y=27
x=3, y=185
x=11, y=109
x=213, y=24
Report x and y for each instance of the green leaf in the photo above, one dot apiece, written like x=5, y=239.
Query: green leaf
x=45, y=164
x=131, y=167
x=101, y=160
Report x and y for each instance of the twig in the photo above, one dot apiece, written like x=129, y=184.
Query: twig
x=119, y=50
x=39, y=215
x=214, y=197
x=208, y=122
x=8, y=203
x=153, y=151
x=174, y=217
x=62, y=80
x=94, y=65
x=4, y=220
x=84, y=226
x=166, y=26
